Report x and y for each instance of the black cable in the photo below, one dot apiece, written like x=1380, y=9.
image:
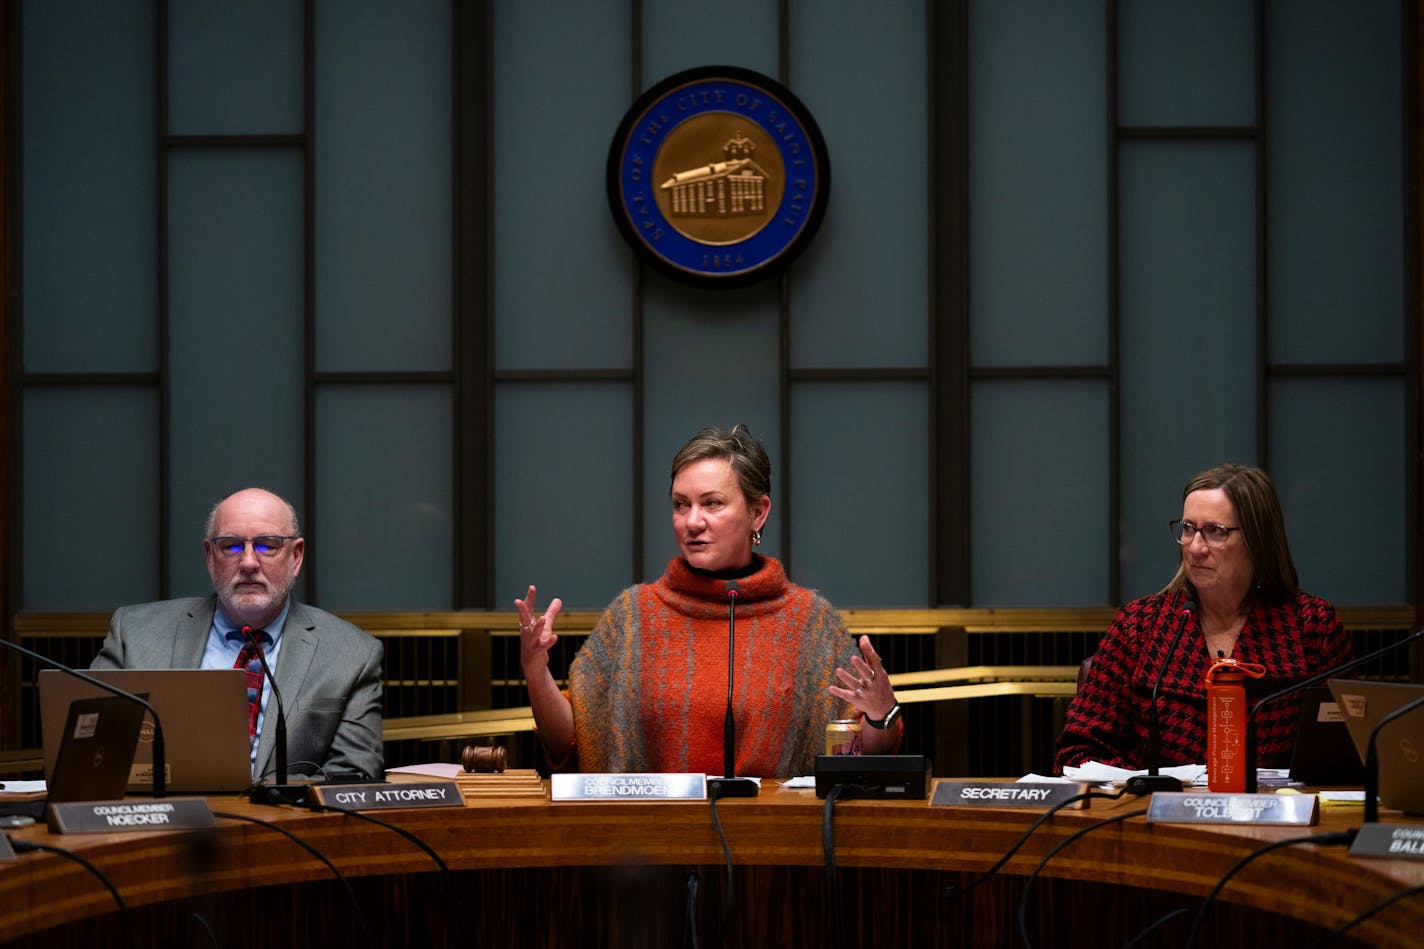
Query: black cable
x=1166, y=918
x=729, y=905
x=208, y=928
x=1028, y=886
x=1367, y=914
x=689, y=919
x=828, y=853
x=1325, y=840
x=346, y=884
x=314, y=806
x=953, y=890
x=316, y=772
x=24, y=846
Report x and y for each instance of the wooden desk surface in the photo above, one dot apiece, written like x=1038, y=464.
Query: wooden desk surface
x=782, y=827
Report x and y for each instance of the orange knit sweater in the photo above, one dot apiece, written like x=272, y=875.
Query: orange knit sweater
x=649, y=685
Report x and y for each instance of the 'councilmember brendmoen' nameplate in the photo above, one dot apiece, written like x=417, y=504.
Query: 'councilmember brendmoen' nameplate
x=1389, y=840
x=165, y=813
x=1201, y=807
x=376, y=797
x=1006, y=794
x=628, y=787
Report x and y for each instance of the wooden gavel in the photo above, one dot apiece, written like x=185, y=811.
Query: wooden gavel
x=485, y=758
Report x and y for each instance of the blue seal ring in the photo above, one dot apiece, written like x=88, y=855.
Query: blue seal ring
x=718, y=176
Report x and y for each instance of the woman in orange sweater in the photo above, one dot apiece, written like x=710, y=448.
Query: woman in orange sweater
x=648, y=691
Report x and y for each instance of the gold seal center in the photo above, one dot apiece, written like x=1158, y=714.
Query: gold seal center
x=720, y=178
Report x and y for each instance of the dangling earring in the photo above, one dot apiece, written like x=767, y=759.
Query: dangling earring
x=756, y=538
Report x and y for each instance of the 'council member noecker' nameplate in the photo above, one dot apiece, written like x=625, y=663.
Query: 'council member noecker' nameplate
x=1005, y=794
x=377, y=797
x=164, y=813
x=628, y=787
x=1198, y=807
x=1389, y=840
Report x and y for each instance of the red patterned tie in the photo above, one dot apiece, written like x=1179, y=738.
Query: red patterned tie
x=247, y=660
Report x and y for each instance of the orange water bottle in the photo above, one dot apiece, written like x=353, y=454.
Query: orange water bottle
x=1226, y=723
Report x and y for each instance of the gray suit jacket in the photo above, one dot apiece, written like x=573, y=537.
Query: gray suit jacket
x=329, y=676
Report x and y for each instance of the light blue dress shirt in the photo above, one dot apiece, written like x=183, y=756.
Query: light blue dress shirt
x=225, y=642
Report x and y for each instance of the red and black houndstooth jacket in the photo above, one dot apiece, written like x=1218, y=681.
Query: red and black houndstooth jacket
x=1107, y=721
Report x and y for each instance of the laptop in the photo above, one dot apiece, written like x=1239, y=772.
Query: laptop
x=1324, y=753
x=96, y=750
x=204, y=715
x=1400, y=745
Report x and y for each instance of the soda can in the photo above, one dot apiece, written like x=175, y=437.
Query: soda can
x=843, y=736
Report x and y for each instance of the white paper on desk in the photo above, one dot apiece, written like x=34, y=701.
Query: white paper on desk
x=438, y=769
x=1341, y=797
x=1095, y=772
x=22, y=787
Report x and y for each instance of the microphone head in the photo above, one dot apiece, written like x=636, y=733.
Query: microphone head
x=1190, y=606
x=732, y=588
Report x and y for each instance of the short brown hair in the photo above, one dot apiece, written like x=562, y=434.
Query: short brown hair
x=746, y=455
x=1263, y=529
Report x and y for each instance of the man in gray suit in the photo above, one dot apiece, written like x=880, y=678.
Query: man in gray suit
x=328, y=671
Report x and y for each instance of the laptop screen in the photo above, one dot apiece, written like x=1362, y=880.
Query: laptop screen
x=1400, y=745
x=204, y=717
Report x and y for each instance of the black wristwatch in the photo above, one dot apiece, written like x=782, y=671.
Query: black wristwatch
x=886, y=722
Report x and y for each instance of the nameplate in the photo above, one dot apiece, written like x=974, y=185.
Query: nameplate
x=377, y=797
x=628, y=787
x=1197, y=807
x=150, y=813
x=1389, y=840
x=7, y=853
x=1006, y=794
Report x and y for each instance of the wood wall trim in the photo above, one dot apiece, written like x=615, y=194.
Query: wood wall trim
x=902, y=622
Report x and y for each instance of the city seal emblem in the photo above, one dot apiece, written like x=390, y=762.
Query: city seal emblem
x=718, y=176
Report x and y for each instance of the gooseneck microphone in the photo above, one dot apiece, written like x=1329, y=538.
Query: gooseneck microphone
x=1372, y=760
x=1332, y=673
x=729, y=785
x=281, y=792
x=160, y=781
x=1153, y=780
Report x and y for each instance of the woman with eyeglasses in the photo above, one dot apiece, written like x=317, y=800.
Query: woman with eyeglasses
x=1237, y=593
x=648, y=689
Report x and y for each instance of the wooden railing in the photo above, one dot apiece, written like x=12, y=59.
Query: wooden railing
x=455, y=675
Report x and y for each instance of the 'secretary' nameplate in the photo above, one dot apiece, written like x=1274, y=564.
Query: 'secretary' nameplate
x=152, y=813
x=1200, y=807
x=375, y=797
x=628, y=787
x=1005, y=793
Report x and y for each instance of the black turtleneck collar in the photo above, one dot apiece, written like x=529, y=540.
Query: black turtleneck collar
x=733, y=573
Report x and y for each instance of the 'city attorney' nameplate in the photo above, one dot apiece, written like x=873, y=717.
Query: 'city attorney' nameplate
x=1389, y=840
x=1006, y=794
x=628, y=787
x=377, y=797
x=158, y=813
x=1199, y=807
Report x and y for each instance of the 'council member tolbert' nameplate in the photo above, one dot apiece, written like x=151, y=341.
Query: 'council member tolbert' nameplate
x=1005, y=793
x=1199, y=807
x=628, y=787
x=376, y=797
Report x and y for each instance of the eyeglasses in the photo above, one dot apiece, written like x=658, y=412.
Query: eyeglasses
x=263, y=545
x=1215, y=535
